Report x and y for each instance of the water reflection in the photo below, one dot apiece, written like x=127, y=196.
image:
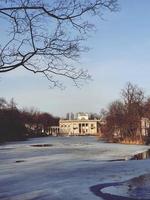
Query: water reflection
x=137, y=188
x=141, y=156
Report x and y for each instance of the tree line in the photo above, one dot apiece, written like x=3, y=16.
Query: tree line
x=124, y=117
x=19, y=124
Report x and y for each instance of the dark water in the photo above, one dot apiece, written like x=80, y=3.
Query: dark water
x=141, y=156
x=41, y=145
x=137, y=188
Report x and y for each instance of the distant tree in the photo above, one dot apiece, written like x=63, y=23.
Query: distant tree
x=103, y=113
x=44, y=36
x=27, y=118
x=18, y=124
x=11, y=125
x=32, y=121
x=38, y=123
x=115, y=119
x=124, y=117
x=133, y=98
x=146, y=108
x=132, y=95
x=3, y=103
x=94, y=116
x=47, y=120
x=12, y=104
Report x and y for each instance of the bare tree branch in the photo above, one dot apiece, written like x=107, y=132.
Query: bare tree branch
x=46, y=37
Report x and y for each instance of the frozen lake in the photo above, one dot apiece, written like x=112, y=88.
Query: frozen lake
x=66, y=168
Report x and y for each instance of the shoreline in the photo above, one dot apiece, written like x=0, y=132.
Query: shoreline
x=130, y=186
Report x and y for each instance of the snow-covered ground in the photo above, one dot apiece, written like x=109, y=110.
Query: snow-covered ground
x=65, y=168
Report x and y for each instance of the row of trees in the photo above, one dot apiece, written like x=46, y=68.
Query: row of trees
x=18, y=124
x=38, y=123
x=123, y=117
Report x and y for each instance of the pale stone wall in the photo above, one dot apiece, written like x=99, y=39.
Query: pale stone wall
x=78, y=127
x=82, y=116
x=145, y=124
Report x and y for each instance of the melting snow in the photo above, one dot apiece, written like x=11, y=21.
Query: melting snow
x=64, y=168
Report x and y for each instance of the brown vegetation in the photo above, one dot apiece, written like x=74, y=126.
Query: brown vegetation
x=123, y=118
x=16, y=124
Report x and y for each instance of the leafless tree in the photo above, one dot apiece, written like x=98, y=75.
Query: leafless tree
x=12, y=104
x=45, y=36
x=3, y=103
x=115, y=120
x=124, y=117
x=133, y=98
x=132, y=94
x=146, y=108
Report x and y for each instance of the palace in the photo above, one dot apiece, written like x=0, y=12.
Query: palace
x=82, y=125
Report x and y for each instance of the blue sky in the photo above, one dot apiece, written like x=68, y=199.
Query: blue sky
x=119, y=52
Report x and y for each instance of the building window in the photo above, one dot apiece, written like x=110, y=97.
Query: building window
x=92, y=126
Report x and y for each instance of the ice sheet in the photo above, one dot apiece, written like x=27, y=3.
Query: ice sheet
x=66, y=169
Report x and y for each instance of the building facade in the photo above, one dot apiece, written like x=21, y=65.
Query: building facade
x=145, y=126
x=80, y=126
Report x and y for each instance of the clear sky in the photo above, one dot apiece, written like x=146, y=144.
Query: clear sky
x=120, y=52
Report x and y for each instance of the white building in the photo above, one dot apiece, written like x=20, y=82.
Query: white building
x=82, y=116
x=80, y=126
x=145, y=126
